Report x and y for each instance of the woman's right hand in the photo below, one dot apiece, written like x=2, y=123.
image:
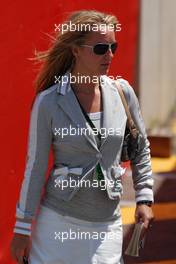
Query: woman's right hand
x=19, y=247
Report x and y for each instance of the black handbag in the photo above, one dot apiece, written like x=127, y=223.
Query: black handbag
x=132, y=137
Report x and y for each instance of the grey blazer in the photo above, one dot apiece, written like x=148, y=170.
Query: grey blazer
x=57, y=122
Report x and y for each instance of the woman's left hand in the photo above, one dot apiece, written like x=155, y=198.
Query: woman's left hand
x=144, y=213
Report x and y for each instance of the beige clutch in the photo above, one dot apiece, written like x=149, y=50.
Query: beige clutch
x=136, y=242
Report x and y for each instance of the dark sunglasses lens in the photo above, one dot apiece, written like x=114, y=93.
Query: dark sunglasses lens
x=113, y=47
x=100, y=49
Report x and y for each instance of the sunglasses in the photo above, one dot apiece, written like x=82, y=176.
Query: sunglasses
x=101, y=48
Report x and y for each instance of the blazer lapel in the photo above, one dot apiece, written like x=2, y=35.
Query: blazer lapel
x=114, y=115
x=68, y=102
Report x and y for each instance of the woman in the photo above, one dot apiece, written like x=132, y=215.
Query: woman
x=78, y=220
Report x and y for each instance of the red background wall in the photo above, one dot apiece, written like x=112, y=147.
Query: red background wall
x=22, y=27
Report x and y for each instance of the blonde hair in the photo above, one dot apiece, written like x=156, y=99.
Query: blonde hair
x=59, y=58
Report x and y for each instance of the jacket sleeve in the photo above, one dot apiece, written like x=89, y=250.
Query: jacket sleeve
x=141, y=164
x=39, y=143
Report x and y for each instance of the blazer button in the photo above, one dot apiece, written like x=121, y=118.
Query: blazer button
x=98, y=155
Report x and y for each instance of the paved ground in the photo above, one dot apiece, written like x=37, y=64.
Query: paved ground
x=160, y=246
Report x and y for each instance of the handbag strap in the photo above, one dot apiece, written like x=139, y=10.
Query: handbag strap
x=87, y=117
x=131, y=124
x=99, y=173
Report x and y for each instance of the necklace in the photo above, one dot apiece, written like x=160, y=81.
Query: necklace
x=84, y=90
